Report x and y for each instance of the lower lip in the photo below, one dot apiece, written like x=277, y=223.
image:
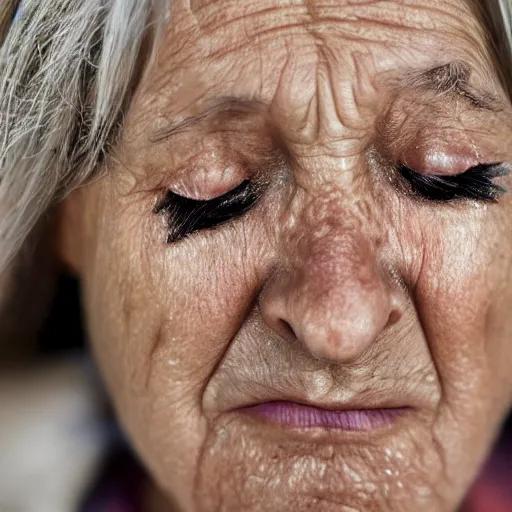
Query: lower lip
x=304, y=416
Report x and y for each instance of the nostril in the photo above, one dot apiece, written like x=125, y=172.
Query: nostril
x=286, y=330
x=394, y=317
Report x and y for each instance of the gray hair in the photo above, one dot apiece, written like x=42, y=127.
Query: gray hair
x=67, y=70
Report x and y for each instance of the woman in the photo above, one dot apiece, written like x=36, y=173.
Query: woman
x=291, y=225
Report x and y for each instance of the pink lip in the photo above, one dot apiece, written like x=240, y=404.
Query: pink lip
x=305, y=416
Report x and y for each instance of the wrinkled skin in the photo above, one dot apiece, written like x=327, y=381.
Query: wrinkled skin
x=337, y=286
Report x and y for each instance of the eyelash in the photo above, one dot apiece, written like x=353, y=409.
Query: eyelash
x=476, y=183
x=186, y=216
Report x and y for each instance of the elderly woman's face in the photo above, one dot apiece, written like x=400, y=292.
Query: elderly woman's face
x=289, y=311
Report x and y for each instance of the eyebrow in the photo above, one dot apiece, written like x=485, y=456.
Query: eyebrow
x=234, y=106
x=451, y=80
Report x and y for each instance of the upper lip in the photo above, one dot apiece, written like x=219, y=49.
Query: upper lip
x=367, y=399
x=357, y=403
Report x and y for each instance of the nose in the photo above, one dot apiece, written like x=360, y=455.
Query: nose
x=333, y=299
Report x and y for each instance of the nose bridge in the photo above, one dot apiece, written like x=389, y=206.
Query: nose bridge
x=333, y=296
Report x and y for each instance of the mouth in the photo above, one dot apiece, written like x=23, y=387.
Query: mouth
x=293, y=414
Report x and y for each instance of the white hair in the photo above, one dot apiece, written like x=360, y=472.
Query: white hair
x=66, y=75
x=67, y=69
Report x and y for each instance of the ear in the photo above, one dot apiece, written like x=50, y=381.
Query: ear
x=70, y=231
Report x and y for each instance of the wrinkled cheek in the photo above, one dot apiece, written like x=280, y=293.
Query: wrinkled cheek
x=455, y=296
x=151, y=369
x=243, y=468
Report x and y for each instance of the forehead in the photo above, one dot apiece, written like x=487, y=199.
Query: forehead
x=296, y=54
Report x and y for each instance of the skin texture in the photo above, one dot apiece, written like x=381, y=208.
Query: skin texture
x=338, y=288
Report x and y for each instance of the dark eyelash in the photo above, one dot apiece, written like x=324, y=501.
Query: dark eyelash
x=185, y=215
x=475, y=183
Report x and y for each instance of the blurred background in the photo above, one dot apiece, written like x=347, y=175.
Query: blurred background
x=57, y=434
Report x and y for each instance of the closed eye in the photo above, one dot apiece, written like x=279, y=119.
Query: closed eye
x=186, y=216
x=476, y=183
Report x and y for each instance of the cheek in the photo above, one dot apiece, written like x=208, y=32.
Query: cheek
x=462, y=294
x=160, y=320
x=464, y=280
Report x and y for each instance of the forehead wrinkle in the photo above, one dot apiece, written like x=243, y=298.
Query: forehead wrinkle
x=270, y=84
x=209, y=45
x=449, y=80
x=212, y=13
x=234, y=24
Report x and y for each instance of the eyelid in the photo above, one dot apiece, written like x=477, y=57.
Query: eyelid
x=436, y=162
x=208, y=177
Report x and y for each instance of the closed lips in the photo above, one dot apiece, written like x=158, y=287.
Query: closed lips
x=294, y=414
